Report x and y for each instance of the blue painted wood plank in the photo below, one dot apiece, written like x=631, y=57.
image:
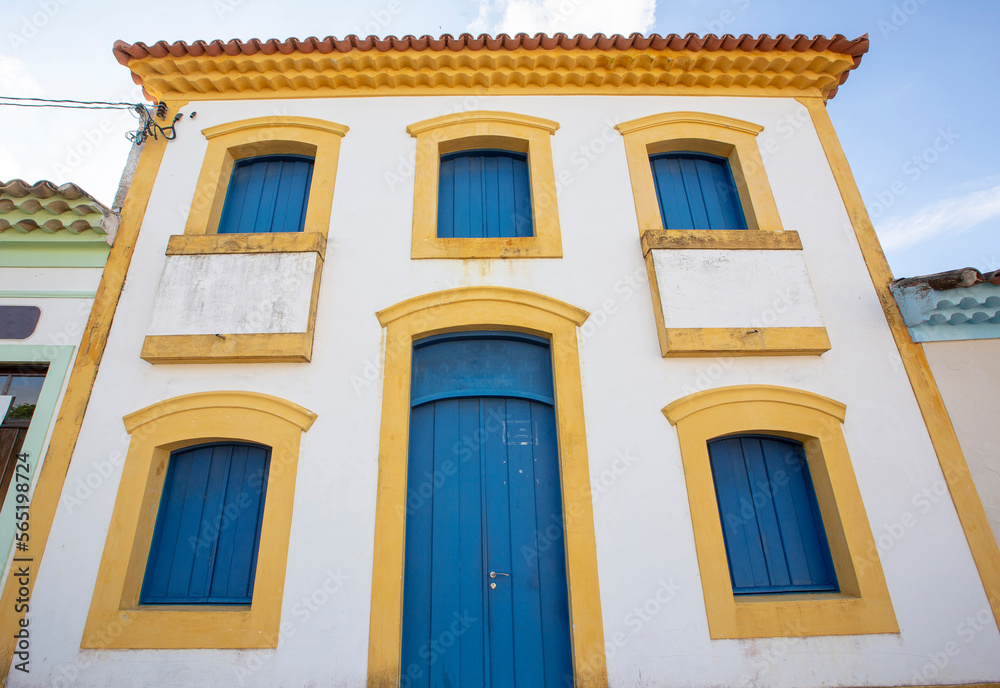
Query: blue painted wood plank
x=729, y=197
x=205, y=540
x=767, y=517
x=243, y=526
x=524, y=579
x=467, y=453
x=232, y=210
x=296, y=177
x=508, y=201
x=255, y=187
x=524, y=226
x=463, y=190
x=191, y=519
x=501, y=627
x=477, y=220
x=167, y=529
x=553, y=590
x=742, y=536
x=446, y=199
x=445, y=561
x=419, y=528
x=268, y=196
x=794, y=540
x=711, y=194
x=491, y=196
x=801, y=524
x=260, y=462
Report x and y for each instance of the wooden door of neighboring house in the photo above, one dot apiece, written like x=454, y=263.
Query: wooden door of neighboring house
x=23, y=383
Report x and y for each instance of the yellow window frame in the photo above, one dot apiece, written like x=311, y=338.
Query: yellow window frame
x=862, y=606
x=485, y=129
x=479, y=308
x=116, y=619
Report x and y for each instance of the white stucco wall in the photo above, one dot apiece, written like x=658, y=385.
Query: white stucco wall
x=645, y=543
x=966, y=373
x=234, y=294
x=748, y=289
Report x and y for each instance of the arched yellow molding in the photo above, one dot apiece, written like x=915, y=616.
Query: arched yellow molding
x=249, y=401
x=699, y=132
x=276, y=122
x=116, y=619
x=485, y=129
x=863, y=604
x=498, y=309
x=699, y=401
x=519, y=297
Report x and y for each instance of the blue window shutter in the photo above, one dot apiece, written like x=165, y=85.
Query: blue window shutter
x=207, y=532
x=268, y=193
x=484, y=193
x=696, y=191
x=771, y=522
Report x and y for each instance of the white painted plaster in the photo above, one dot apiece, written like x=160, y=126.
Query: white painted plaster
x=715, y=288
x=234, y=294
x=642, y=517
x=50, y=279
x=966, y=373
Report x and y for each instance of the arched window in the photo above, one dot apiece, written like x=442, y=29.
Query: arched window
x=207, y=533
x=771, y=521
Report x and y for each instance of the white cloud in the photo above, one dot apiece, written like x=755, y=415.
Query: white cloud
x=566, y=16
x=15, y=79
x=950, y=216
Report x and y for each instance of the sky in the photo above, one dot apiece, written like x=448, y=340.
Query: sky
x=917, y=119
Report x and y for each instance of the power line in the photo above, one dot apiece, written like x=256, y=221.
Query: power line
x=68, y=104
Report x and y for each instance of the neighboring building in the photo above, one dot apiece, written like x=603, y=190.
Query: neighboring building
x=428, y=429
x=955, y=317
x=54, y=241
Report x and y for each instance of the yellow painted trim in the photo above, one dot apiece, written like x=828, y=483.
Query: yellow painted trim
x=702, y=133
x=863, y=605
x=227, y=347
x=501, y=309
x=410, y=307
x=493, y=72
x=741, y=341
x=485, y=129
x=214, y=244
x=116, y=619
x=233, y=141
x=970, y=510
x=290, y=347
x=257, y=123
x=66, y=431
x=719, y=239
x=249, y=401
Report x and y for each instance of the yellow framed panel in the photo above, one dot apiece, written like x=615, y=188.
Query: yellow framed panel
x=116, y=619
x=501, y=309
x=862, y=606
x=485, y=129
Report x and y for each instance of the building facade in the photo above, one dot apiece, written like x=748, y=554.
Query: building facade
x=504, y=361
x=54, y=241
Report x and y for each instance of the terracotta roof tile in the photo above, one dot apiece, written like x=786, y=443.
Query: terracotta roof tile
x=853, y=48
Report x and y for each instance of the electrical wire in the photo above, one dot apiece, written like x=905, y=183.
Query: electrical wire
x=147, y=125
x=66, y=103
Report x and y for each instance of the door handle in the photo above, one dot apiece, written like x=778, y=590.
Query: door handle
x=494, y=574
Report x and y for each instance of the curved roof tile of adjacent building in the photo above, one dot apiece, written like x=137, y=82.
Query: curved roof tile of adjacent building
x=851, y=49
x=50, y=208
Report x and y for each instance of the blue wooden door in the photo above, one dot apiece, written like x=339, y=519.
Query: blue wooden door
x=484, y=598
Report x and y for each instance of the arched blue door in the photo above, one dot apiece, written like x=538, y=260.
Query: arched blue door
x=484, y=597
